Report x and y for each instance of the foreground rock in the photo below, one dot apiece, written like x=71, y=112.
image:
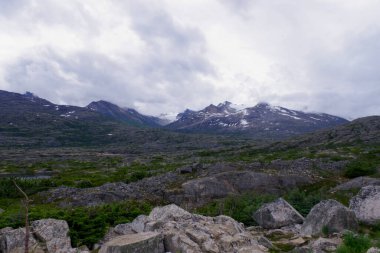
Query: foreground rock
x=329, y=216
x=366, y=204
x=53, y=234
x=13, y=241
x=277, y=214
x=191, y=233
x=149, y=242
x=46, y=236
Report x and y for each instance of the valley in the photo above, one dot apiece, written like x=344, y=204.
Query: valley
x=98, y=167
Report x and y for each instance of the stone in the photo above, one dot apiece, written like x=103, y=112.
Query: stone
x=326, y=245
x=13, y=241
x=356, y=183
x=263, y=241
x=147, y=242
x=329, y=216
x=1, y=211
x=366, y=204
x=373, y=250
x=277, y=214
x=54, y=234
x=187, y=233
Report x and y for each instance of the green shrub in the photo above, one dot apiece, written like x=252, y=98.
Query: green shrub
x=240, y=208
x=353, y=243
x=303, y=200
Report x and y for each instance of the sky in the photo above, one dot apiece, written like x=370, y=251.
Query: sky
x=163, y=56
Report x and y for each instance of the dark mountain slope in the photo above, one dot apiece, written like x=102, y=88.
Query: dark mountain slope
x=123, y=114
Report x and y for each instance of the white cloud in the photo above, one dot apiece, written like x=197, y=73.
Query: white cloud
x=164, y=56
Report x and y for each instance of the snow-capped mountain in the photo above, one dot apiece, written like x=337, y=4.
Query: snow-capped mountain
x=260, y=120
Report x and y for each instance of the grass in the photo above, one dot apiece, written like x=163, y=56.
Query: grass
x=354, y=243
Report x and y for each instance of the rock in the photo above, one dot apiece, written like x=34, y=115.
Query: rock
x=356, y=183
x=148, y=242
x=1, y=211
x=54, y=234
x=329, y=215
x=366, y=204
x=373, y=250
x=186, y=232
x=277, y=214
x=13, y=241
x=325, y=245
x=263, y=241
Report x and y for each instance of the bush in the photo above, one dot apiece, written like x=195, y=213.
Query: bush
x=354, y=244
x=240, y=208
x=303, y=201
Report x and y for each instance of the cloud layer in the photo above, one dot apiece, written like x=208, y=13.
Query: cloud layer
x=165, y=56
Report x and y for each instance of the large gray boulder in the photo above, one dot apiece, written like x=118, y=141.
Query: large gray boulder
x=148, y=242
x=13, y=241
x=329, y=215
x=54, y=234
x=192, y=233
x=277, y=214
x=366, y=205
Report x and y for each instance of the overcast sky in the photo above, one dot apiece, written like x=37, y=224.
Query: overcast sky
x=165, y=56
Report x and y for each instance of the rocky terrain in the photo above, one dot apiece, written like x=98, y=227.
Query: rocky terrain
x=173, y=229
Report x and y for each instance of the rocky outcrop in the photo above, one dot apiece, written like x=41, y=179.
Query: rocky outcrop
x=148, y=242
x=329, y=216
x=356, y=183
x=13, y=241
x=366, y=204
x=46, y=236
x=277, y=214
x=200, y=191
x=53, y=234
x=192, y=233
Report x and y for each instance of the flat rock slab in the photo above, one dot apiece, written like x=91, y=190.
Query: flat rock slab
x=148, y=242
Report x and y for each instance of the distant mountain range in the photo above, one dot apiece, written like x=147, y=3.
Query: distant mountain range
x=27, y=115
x=262, y=120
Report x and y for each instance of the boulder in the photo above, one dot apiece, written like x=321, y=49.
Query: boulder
x=187, y=233
x=54, y=234
x=13, y=241
x=325, y=245
x=373, y=250
x=148, y=242
x=366, y=204
x=1, y=211
x=277, y=214
x=329, y=216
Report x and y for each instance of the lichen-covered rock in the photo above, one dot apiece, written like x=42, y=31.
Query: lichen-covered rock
x=373, y=250
x=13, y=241
x=54, y=234
x=366, y=204
x=148, y=242
x=329, y=216
x=277, y=214
x=185, y=232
